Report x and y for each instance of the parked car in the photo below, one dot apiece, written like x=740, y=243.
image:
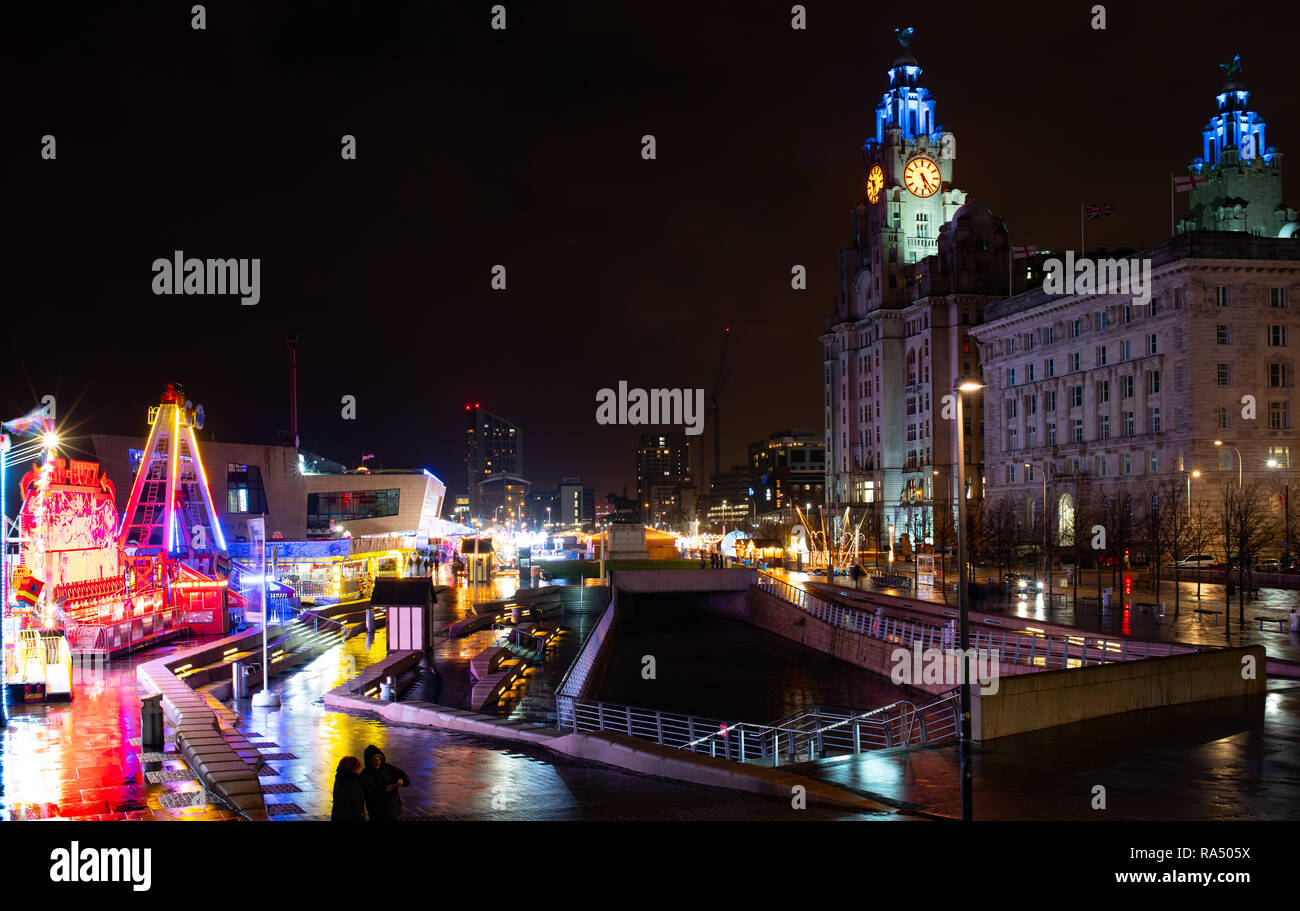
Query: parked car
x=1269, y=566
x=1199, y=561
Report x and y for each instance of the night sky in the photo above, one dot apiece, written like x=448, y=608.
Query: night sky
x=478, y=147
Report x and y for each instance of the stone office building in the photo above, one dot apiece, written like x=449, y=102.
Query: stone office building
x=1126, y=394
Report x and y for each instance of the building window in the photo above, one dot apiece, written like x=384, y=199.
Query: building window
x=244, y=492
x=1049, y=400
x=1277, y=336
x=1222, y=417
x=1101, y=321
x=1221, y=296
x=1049, y=367
x=1153, y=421
x=1011, y=376
x=349, y=505
x=1126, y=387
x=1281, y=455
x=1154, y=465
x=1178, y=337
x=1222, y=334
x=1011, y=474
x=1101, y=355
x=1129, y=426
x=1029, y=373
x=1125, y=350
x=1153, y=382
x=1076, y=431
x=1076, y=396
x=1051, y=434
x=1278, y=376
x=1278, y=418
x=1103, y=391
x=1277, y=298
x=1126, y=463
x=1101, y=466
x=1074, y=362
x=1103, y=427
x=1178, y=376
x=1223, y=374
x=1073, y=328
x=1152, y=344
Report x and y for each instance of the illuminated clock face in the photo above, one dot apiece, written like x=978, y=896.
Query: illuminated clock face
x=921, y=176
x=875, y=182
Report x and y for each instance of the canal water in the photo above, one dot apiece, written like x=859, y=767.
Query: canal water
x=709, y=666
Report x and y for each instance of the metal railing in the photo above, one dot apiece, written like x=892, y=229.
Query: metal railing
x=575, y=678
x=812, y=734
x=1028, y=647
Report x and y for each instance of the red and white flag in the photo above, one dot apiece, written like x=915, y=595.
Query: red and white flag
x=1183, y=184
x=1098, y=210
x=1022, y=252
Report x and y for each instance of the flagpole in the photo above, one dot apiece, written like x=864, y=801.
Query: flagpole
x=264, y=697
x=1171, y=205
x=1082, y=249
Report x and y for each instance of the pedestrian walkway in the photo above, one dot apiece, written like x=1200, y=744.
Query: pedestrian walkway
x=1136, y=621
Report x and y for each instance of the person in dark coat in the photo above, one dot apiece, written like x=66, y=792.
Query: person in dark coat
x=349, y=797
x=381, y=782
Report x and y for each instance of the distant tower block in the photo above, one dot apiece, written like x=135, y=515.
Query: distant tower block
x=170, y=497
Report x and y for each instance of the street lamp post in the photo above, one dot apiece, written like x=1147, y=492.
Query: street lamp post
x=963, y=603
x=1238, y=452
x=1286, y=515
x=1047, y=571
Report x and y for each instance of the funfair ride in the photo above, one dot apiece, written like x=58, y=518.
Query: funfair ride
x=87, y=585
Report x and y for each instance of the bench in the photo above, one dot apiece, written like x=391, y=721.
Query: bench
x=1280, y=621
x=487, y=662
x=1214, y=613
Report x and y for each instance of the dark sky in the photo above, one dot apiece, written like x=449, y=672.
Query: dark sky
x=522, y=147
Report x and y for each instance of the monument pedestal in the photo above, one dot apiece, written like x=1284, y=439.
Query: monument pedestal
x=627, y=542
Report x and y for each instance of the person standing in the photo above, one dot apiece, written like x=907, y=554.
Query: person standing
x=381, y=783
x=349, y=797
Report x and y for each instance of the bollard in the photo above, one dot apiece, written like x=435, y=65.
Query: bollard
x=151, y=723
x=386, y=688
x=238, y=689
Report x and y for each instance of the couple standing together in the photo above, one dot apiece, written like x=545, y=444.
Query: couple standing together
x=371, y=792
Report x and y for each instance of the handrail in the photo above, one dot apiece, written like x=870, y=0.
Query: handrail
x=813, y=732
x=575, y=678
x=1035, y=649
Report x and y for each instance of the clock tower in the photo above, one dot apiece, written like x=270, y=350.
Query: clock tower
x=907, y=179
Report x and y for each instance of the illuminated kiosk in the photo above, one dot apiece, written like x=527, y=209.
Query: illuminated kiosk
x=170, y=527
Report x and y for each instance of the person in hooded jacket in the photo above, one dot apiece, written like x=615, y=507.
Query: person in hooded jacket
x=381, y=782
x=349, y=797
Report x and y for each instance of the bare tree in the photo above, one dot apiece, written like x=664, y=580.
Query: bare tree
x=1247, y=524
x=945, y=538
x=1001, y=530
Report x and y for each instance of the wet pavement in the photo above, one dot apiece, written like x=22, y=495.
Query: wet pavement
x=77, y=760
x=722, y=668
x=1233, y=759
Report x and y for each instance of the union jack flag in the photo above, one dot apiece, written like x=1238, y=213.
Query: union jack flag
x=1183, y=184
x=1098, y=210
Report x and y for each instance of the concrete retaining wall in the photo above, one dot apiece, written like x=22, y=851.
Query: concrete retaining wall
x=768, y=612
x=1049, y=698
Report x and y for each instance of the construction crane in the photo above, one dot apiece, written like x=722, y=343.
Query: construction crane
x=723, y=375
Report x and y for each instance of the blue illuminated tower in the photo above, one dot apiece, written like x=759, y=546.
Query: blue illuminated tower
x=1243, y=174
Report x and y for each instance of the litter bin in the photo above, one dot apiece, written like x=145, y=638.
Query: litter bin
x=386, y=689
x=151, y=723
x=243, y=678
